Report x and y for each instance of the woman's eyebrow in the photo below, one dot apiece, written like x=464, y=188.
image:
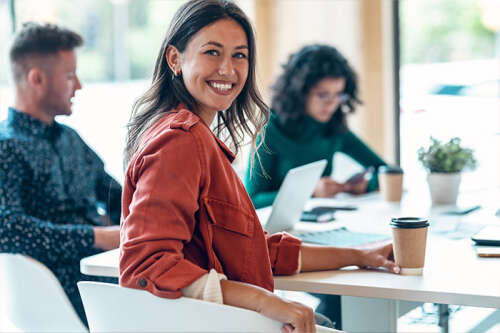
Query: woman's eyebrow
x=217, y=44
x=213, y=43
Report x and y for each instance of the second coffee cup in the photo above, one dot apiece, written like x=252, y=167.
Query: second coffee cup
x=390, y=179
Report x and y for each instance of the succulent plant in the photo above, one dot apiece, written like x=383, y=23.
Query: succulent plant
x=447, y=157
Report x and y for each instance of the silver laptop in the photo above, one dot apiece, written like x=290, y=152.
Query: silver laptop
x=296, y=189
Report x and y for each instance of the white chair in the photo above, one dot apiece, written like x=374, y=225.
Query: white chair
x=34, y=299
x=112, y=308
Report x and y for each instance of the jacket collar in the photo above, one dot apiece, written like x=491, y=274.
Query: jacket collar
x=32, y=126
x=191, y=119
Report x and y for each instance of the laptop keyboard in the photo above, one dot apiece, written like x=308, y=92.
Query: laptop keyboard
x=340, y=237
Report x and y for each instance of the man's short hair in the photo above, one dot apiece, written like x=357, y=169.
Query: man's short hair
x=39, y=40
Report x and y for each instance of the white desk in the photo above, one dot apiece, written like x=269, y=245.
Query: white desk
x=102, y=264
x=453, y=274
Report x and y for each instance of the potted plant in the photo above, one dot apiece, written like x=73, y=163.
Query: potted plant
x=444, y=163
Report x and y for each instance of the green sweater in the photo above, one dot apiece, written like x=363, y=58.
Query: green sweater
x=283, y=151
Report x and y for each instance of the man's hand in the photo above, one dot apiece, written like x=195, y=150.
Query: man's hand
x=107, y=238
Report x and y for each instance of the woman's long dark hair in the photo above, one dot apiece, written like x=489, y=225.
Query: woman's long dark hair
x=304, y=70
x=168, y=91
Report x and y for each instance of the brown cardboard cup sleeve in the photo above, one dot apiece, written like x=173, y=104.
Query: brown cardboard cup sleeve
x=409, y=242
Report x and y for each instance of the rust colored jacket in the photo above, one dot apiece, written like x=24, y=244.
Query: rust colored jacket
x=185, y=211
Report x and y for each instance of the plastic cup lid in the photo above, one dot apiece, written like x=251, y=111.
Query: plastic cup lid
x=409, y=222
x=390, y=169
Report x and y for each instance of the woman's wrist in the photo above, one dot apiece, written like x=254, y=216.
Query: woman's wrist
x=358, y=257
x=262, y=299
x=244, y=295
x=319, y=257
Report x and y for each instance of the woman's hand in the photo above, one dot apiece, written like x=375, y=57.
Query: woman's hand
x=380, y=256
x=327, y=187
x=356, y=188
x=297, y=317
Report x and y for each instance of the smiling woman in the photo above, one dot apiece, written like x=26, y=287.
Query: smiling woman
x=189, y=227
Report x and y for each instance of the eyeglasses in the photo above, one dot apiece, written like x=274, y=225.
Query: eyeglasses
x=326, y=98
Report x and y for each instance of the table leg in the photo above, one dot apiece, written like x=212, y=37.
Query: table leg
x=360, y=314
x=444, y=317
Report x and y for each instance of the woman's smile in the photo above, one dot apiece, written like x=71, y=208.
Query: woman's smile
x=221, y=87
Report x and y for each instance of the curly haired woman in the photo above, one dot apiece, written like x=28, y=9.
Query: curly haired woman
x=311, y=99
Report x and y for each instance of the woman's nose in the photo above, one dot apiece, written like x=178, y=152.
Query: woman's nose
x=226, y=66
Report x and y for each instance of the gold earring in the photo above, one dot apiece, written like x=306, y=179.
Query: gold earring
x=175, y=74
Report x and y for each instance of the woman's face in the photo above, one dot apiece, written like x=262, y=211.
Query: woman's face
x=324, y=98
x=214, y=66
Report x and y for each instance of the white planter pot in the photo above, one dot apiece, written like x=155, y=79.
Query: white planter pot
x=444, y=187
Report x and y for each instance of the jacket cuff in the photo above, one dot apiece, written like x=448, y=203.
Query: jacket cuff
x=284, y=252
x=170, y=283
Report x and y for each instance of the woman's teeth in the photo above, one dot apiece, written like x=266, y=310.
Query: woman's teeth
x=221, y=86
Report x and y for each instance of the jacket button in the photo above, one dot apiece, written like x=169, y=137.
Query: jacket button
x=143, y=283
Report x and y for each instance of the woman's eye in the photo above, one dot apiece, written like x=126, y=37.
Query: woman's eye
x=240, y=55
x=212, y=52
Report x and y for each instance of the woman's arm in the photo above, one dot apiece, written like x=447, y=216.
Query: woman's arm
x=254, y=298
x=317, y=257
x=355, y=148
x=159, y=216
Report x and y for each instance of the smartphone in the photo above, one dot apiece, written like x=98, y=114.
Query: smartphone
x=358, y=177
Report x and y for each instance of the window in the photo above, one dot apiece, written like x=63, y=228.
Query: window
x=450, y=84
x=5, y=36
x=121, y=41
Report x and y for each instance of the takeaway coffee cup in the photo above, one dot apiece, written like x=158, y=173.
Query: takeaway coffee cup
x=409, y=240
x=390, y=179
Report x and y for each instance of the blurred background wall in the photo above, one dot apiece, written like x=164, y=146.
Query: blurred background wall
x=452, y=44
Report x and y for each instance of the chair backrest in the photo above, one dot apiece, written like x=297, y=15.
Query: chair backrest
x=34, y=298
x=112, y=308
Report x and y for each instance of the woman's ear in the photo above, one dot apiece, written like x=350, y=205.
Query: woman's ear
x=173, y=57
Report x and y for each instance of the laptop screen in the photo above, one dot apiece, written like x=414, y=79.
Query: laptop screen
x=296, y=189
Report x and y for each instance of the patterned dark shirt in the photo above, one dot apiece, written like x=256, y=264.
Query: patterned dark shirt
x=52, y=186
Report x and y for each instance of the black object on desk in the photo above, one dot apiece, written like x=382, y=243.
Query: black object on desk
x=462, y=210
x=310, y=216
x=323, y=213
x=489, y=235
x=324, y=209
